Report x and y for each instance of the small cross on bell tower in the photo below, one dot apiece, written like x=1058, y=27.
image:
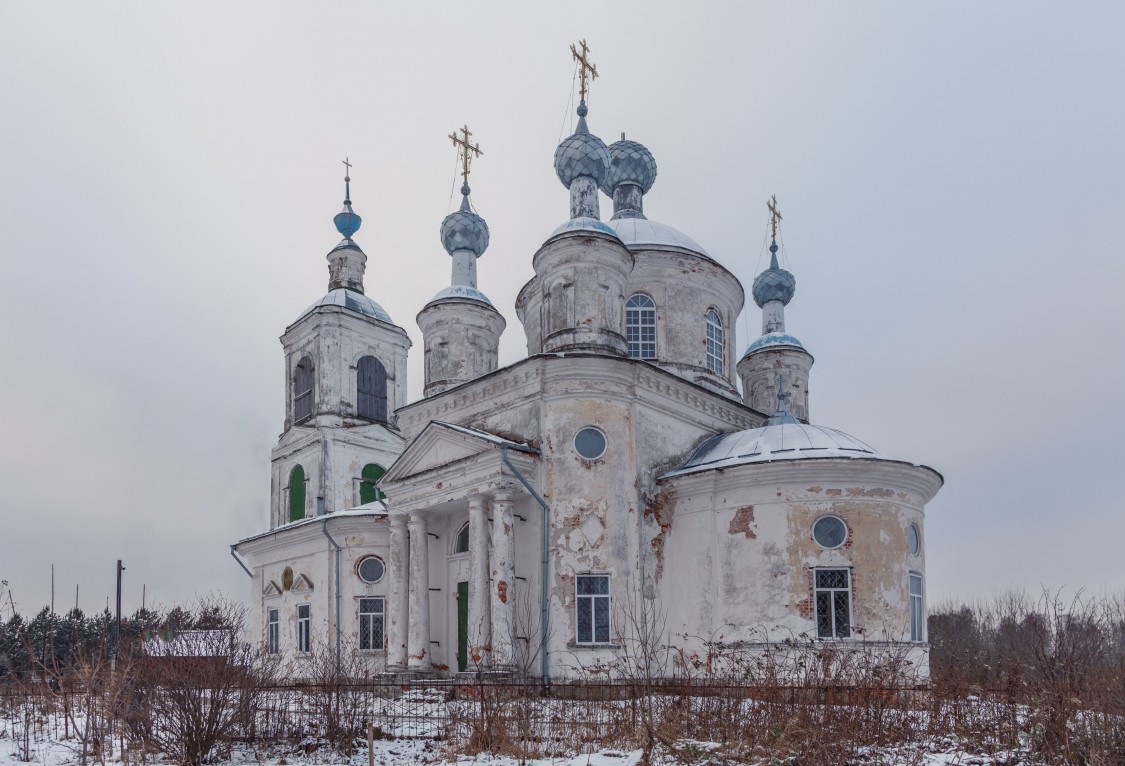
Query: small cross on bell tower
x=466, y=151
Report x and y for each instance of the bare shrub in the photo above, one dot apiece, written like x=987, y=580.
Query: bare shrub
x=195, y=690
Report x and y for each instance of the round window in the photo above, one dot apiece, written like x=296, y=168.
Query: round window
x=913, y=540
x=371, y=569
x=590, y=443
x=830, y=532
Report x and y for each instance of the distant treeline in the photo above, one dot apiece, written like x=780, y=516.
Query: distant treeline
x=52, y=640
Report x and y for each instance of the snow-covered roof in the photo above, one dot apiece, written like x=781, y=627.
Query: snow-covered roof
x=789, y=441
x=641, y=231
x=462, y=291
x=374, y=508
x=489, y=437
x=584, y=224
x=351, y=300
x=773, y=339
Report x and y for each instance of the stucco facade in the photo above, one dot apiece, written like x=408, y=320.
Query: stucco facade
x=529, y=514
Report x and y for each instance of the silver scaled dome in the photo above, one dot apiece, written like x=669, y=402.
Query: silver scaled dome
x=629, y=163
x=581, y=154
x=774, y=284
x=464, y=229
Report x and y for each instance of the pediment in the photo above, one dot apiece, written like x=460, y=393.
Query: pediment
x=271, y=589
x=441, y=444
x=301, y=584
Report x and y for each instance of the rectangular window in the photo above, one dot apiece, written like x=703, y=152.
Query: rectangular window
x=273, y=635
x=371, y=623
x=592, y=605
x=833, y=603
x=917, y=616
x=304, y=627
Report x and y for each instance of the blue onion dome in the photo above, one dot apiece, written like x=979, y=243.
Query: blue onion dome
x=629, y=163
x=347, y=221
x=774, y=284
x=464, y=229
x=582, y=154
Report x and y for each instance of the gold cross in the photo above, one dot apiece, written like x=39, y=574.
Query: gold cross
x=347, y=172
x=465, y=150
x=775, y=215
x=587, y=67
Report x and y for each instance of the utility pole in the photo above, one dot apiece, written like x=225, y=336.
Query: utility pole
x=117, y=630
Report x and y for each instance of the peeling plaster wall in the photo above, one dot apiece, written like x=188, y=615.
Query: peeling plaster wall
x=745, y=535
x=462, y=338
x=684, y=285
x=310, y=556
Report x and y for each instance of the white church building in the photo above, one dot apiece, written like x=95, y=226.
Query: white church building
x=521, y=518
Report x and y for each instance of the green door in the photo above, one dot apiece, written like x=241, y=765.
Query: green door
x=462, y=626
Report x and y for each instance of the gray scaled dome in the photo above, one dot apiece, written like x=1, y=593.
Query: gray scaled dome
x=774, y=284
x=464, y=229
x=581, y=154
x=629, y=163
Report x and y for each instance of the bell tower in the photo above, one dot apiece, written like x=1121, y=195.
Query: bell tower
x=345, y=374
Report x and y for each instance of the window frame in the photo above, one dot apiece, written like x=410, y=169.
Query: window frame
x=304, y=628
x=366, y=480
x=368, y=621
x=833, y=592
x=291, y=496
x=593, y=599
x=371, y=404
x=273, y=631
x=303, y=395
x=715, y=342
x=917, y=607
x=462, y=530
x=640, y=317
x=359, y=569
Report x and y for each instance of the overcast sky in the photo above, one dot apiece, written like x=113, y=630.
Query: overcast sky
x=952, y=177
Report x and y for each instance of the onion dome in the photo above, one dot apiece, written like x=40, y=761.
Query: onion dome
x=347, y=221
x=629, y=163
x=464, y=229
x=774, y=284
x=582, y=154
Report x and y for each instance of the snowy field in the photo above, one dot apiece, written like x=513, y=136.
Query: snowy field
x=428, y=734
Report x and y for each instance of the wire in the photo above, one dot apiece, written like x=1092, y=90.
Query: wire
x=569, y=102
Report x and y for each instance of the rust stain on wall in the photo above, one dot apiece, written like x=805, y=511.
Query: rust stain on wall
x=743, y=523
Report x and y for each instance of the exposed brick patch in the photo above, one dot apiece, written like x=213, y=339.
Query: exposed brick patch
x=743, y=523
x=502, y=591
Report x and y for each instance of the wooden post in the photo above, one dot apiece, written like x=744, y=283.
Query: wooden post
x=370, y=744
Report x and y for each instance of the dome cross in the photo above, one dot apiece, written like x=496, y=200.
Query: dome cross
x=465, y=150
x=775, y=215
x=586, y=68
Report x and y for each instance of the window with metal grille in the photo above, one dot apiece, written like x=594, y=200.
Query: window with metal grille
x=592, y=605
x=303, y=390
x=304, y=628
x=833, y=603
x=716, y=359
x=371, y=623
x=371, y=388
x=297, y=493
x=640, y=327
x=368, y=492
x=917, y=616
x=273, y=633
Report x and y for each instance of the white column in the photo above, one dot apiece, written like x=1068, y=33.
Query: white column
x=480, y=621
x=503, y=581
x=418, y=643
x=397, y=578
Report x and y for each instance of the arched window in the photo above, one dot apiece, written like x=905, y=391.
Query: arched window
x=461, y=544
x=371, y=385
x=368, y=492
x=640, y=327
x=297, y=493
x=716, y=362
x=303, y=390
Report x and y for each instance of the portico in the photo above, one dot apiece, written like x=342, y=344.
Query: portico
x=452, y=559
